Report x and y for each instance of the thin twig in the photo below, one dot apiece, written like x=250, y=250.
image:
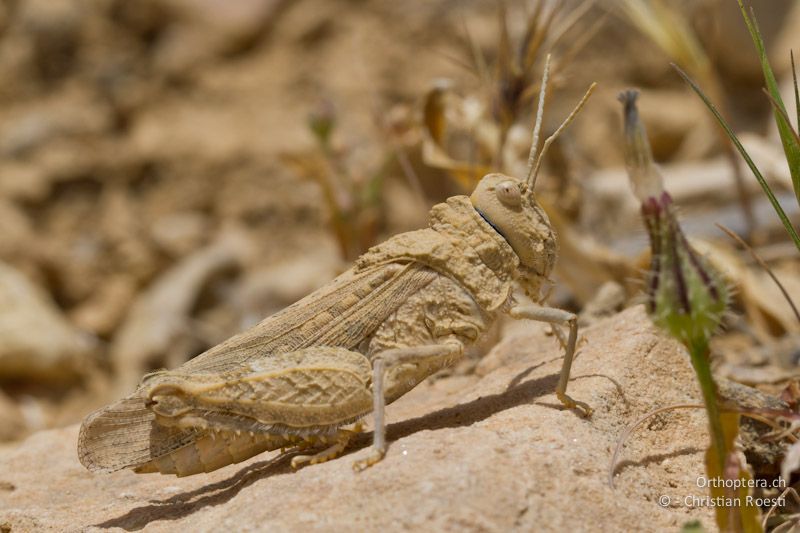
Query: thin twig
x=410, y=174
x=630, y=429
x=477, y=55
x=779, y=432
x=457, y=61
x=577, y=44
x=764, y=265
x=788, y=490
x=573, y=17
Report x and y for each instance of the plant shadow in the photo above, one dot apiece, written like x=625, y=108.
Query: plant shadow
x=656, y=458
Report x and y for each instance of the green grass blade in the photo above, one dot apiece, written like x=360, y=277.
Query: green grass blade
x=735, y=140
x=796, y=92
x=777, y=108
x=790, y=146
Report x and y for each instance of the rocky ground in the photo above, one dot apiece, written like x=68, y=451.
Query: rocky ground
x=489, y=452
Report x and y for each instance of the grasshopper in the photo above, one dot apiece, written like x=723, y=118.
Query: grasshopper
x=406, y=309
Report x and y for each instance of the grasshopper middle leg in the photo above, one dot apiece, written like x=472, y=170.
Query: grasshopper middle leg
x=552, y=315
x=382, y=362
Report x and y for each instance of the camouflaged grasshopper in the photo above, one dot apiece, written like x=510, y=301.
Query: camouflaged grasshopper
x=406, y=309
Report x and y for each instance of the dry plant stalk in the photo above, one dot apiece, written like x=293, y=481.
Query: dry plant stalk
x=351, y=193
x=406, y=309
x=507, y=87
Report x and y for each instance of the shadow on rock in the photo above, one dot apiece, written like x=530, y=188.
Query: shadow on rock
x=181, y=505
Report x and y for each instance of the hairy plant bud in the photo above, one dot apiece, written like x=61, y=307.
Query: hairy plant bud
x=686, y=296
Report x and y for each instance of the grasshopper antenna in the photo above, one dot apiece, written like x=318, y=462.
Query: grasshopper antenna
x=534, y=172
x=538, y=124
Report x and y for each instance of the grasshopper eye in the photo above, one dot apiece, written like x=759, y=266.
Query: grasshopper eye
x=508, y=193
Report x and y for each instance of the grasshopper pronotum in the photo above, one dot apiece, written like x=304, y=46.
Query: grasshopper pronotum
x=406, y=309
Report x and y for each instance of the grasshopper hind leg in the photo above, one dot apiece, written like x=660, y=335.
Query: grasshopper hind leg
x=381, y=363
x=341, y=440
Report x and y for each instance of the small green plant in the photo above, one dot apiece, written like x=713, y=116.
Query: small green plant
x=687, y=298
x=789, y=136
x=352, y=195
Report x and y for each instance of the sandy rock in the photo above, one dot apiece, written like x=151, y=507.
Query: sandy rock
x=70, y=113
x=17, y=230
x=36, y=342
x=499, y=454
x=209, y=27
x=177, y=234
x=609, y=299
x=103, y=311
x=12, y=422
x=53, y=29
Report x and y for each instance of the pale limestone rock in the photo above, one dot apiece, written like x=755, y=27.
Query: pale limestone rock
x=500, y=454
x=36, y=342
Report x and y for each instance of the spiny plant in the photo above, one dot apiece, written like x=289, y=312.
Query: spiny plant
x=790, y=142
x=687, y=298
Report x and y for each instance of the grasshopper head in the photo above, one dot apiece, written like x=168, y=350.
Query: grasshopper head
x=508, y=205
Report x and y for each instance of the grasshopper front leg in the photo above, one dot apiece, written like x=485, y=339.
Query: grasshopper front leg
x=381, y=363
x=552, y=315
